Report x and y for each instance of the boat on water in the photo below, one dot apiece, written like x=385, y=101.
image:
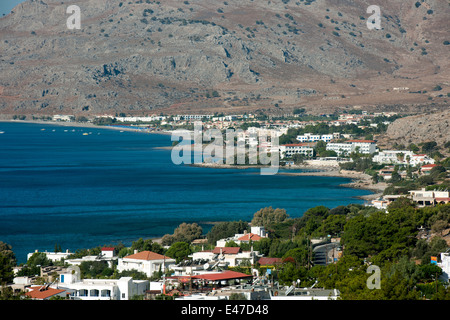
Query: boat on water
x=2, y=132
x=85, y=134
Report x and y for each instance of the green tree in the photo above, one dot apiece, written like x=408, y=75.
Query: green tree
x=429, y=147
x=179, y=251
x=268, y=216
x=185, y=232
x=226, y=229
x=7, y=262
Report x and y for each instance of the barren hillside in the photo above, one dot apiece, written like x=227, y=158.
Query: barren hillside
x=144, y=57
x=418, y=129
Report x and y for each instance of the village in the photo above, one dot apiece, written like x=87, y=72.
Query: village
x=205, y=275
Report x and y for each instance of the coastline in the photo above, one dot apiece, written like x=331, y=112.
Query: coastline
x=360, y=180
x=86, y=125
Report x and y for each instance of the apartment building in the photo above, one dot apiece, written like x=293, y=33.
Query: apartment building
x=308, y=137
x=289, y=150
x=347, y=147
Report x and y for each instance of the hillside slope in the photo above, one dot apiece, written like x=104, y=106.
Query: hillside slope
x=143, y=57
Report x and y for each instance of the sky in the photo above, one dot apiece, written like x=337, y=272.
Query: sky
x=7, y=5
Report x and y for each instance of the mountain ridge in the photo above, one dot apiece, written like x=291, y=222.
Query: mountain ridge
x=142, y=57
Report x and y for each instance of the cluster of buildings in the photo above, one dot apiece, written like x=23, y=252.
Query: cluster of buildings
x=402, y=157
x=207, y=275
x=263, y=128
x=422, y=198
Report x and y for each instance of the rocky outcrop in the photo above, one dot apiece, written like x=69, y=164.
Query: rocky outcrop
x=421, y=128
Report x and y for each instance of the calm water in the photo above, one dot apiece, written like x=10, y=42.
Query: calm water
x=58, y=186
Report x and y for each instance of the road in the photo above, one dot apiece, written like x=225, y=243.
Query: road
x=321, y=252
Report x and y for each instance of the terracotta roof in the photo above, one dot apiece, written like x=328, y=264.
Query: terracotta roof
x=429, y=165
x=107, y=249
x=226, y=275
x=269, y=261
x=147, y=255
x=250, y=236
x=227, y=250
x=44, y=294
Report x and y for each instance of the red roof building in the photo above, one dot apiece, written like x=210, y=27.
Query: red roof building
x=147, y=255
x=44, y=293
x=265, y=261
x=250, y=236
x=429, y=166
x=226, y=275
x=227, y=250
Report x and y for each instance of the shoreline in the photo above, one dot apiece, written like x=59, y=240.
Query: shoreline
x=87, y=125
x=360, y=180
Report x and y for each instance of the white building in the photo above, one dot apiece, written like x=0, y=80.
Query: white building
x=393, y=157
x=194, y=116
x=420, y=159
x=140, y=119
x=289, y=150
x=402, y=157
x=147, y=262
x=308, y=137
x=107, y=254
x=360, y=146
x=445, y=265
x=260, y=231
x=429, y=198
x=66, y=118
x=53, y=256
x=102, y=289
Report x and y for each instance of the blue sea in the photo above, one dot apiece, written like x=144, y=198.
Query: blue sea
x=59, y=186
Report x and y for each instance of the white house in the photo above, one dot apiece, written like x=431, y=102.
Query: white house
x=107, y=254
x=102, y=289
x=147, y=262
x=393, y=157
x=53, y=256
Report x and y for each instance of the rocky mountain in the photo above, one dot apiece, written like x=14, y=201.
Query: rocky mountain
x=419, y=129
x=145, y=57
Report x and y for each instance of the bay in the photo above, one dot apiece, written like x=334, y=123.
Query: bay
x=85, y=187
